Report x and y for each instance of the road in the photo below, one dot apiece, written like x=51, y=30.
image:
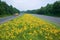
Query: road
x=5, y=19
x=55, y=20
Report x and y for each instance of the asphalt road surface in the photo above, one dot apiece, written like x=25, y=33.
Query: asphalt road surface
x=55, y=20
x=5, y=19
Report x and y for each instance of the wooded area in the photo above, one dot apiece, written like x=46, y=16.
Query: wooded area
x=49, y=9
x=5, y=9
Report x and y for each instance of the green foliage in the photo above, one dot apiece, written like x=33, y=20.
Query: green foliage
x=7, y=10
x=56, y=8
x=49, y=9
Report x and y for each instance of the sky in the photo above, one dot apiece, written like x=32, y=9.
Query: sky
x=24, y=5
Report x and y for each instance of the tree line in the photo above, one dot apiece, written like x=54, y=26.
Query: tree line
x=49, y=9
x=5, y=9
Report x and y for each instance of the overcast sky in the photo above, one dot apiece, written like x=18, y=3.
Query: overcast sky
x=28, y=4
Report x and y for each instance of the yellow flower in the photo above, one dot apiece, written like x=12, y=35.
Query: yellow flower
x=30, y=39
x=36, y=26
x=35, y=31
x=25, y=28
x=46, y=37
x=30, y=33
x=40, y=32
x=12, y=37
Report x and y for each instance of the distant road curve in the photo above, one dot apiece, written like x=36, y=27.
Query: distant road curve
x=55, y=20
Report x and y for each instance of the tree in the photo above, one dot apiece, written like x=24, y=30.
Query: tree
x=5, y=9
x=48, y=9
x=56, y=8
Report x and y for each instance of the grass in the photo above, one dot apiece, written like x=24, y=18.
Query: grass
x=28, y=27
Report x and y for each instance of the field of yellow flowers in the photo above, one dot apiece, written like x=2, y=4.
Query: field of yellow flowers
x=28, y=27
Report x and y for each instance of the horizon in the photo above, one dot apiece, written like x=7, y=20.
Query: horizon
x=24, y=5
